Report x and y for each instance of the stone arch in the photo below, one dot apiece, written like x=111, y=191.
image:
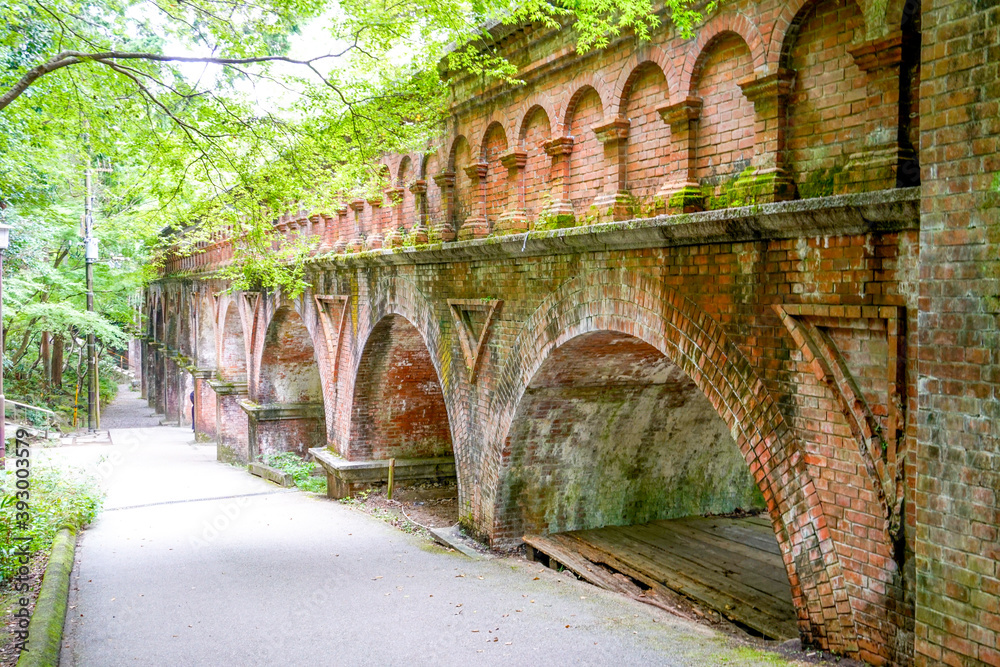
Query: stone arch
x=716, y=27
x=645, y=56
x=430, y=166
x=406, y=216
x=588, y=86
x=535, y=130
x=400, y=297
x=528, y=109
x=638, y=305
x=398, y=408
x=404, y=171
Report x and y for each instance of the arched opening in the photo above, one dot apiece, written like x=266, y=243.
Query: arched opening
x=648, y=152
x=406, y=213
x=726, y=137
x=460, y=160
x=586, y=110
x=614, y=459
x=287, y=414
x=535, y=131
x=494, y=148
x=232, y=353
x=399, y=409
x=826, y=110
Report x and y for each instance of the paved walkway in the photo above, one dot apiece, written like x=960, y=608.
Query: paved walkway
x=128, y=410
x=194, y=562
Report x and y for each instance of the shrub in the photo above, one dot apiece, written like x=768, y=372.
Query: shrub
x=300, y=470
x=55, y=497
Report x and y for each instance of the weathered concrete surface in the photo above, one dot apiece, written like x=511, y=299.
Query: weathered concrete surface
x=174, y=574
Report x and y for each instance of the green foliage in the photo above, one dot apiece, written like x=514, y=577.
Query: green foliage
x=57, y=497
x=300, y=470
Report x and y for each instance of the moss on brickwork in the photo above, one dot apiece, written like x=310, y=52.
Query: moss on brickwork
x=619, y=455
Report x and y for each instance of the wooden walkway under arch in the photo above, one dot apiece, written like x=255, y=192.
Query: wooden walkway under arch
x=730, y=565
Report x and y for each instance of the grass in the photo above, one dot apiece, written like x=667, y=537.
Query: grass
x=300, y=470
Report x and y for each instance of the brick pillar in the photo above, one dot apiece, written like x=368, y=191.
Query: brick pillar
x=284, y=427
x=185, y=388
x=514, y=218
x=373, y=241
x=397, y=226
x=769, y=94
x=171, y=389
x=444, y=230
x=204, y=405
x=327, y=233
x=476, y=226
x=144, y=353
x=342, y=230
x=419, y=230
x=877, y=166
x=613, y=201
x=559, y=213
x=231, y=425
x=356, y=242
x=682, y=191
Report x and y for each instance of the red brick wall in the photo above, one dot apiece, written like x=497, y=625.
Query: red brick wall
x=648, y=136
x=233, y=352
x=826, y=109
x=398, y=409
x=958, y=546
x=432, y=168
x=404, y=177
x=586, y=175
x=725, y=142
x=536, y=170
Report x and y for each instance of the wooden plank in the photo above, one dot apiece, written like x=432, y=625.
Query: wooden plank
x=662, y=566
x=714, y=558
x=747, y=557
x=699, y=565
x=564, y=551
x=726, y=529
x=638, y=567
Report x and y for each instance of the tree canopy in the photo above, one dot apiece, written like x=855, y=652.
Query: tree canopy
x=221, y=112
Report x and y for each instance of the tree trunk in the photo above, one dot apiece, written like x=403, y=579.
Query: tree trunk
x=56, y=367
x=44, y=355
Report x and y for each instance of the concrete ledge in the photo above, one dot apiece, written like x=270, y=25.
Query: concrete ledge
x=46, y=627
x=279, y=477
x=345, y=478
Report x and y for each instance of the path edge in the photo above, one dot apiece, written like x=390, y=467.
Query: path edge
x=46, y=627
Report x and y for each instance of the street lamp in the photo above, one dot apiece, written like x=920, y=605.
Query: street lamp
x=4, y=242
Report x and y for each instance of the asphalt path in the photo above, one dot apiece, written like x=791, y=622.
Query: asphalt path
x=193, y=562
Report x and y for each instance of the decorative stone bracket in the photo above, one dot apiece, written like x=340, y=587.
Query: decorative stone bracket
x=828, y=364
x=473, y=344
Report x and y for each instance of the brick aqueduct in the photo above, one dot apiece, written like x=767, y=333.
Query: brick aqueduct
x=562, y=296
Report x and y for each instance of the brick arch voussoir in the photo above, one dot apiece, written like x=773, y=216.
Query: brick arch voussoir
x=453, y=149
x=648, y=54
x=785, y=27
x=721, y=24
x=580, y=86
x=402, y=297
x=496, y=118
x=527, y=110
x=639, y=305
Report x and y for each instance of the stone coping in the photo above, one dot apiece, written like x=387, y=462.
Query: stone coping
x=279, y=411
x=882, y=211
x=225, y=387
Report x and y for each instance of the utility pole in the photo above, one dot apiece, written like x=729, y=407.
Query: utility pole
x=90, y=253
